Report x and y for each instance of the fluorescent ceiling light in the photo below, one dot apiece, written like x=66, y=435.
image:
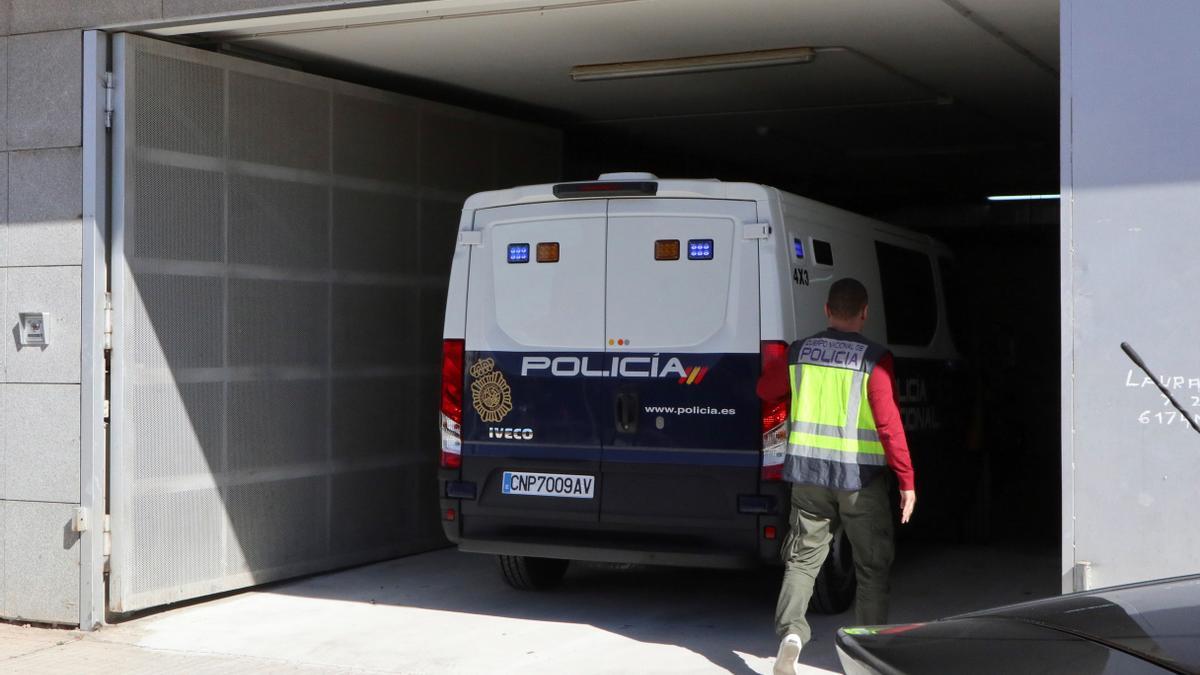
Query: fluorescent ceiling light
x=693, y=64
x=1019, y=198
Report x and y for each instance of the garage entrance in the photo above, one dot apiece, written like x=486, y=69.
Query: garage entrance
x=286, y=196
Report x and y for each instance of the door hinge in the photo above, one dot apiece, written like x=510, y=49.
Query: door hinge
x=107, y=540
x=470, y=238
x=108, y=100
x=756, y=231
x=108, y=320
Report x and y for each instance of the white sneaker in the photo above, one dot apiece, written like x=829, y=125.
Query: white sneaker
x=788, y=658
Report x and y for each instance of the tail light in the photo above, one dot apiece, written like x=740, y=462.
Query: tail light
x=774, y=415
x=452, y=403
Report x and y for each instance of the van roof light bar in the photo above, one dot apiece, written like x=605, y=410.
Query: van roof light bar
x=693, y=64
x=624, y=188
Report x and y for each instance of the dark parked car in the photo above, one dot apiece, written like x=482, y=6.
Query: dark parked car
x=1141, y=628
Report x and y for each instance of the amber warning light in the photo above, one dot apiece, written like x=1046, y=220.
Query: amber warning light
x=547, y=252
x=666, y=249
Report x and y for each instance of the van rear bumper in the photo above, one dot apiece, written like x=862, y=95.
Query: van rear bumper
x=614, y=554
x=736, y=541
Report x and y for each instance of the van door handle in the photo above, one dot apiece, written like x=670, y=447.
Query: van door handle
x=627, y=413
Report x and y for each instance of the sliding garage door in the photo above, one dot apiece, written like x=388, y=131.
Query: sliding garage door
x=280, y=248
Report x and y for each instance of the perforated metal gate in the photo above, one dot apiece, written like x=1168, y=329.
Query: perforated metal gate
x=279, y=259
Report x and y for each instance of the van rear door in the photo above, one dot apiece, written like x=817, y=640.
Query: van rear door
x=531, y=426
x=682, y=328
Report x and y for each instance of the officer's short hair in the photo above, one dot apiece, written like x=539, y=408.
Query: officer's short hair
x=847, y=297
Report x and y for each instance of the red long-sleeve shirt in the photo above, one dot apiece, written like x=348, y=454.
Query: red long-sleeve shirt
x=881, y=393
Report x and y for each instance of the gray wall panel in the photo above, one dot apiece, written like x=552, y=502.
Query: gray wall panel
x=278, y=223
x=1131, y=221
x=188, y=114
x=375, y=231
x=374, y=326
x=41, y=442
x=188, y=522
x=264, y=434
x=362, y=125
x=277, y=323
x=178, y=323
x=373, y=417
x=44, y=91
x=437, y=243
x=278, y=123
x=179, y=451
x=4, y=156
x=456, y=154
x=41, y=562
x=4, y=79
x=45, y=225
x=277, y=524
x=3, y=566
x=189, y=225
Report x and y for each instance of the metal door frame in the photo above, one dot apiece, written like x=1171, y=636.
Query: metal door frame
x=93, y=477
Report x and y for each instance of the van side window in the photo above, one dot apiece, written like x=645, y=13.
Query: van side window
x=822, y=252
x=910, y=303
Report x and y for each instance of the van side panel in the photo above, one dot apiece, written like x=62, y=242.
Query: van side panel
x=826, y=246
x=777, y=315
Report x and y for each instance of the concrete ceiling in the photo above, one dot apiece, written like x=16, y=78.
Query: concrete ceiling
x=896, y=81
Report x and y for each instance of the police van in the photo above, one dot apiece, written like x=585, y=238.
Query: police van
x=602, y=345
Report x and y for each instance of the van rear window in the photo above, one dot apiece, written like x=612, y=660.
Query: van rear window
x=909, y=300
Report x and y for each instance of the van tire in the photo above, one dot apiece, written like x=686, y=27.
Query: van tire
x=834, y=590
x=532, y=574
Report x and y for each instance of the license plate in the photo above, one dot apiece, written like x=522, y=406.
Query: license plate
x=548, y=484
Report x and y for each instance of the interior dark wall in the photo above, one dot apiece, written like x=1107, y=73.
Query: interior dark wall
x=947, y=179
x=1009, y=300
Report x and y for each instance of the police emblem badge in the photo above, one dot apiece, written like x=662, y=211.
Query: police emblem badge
x=490, y=391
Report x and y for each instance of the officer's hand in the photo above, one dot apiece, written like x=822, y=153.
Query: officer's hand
x=908, y=501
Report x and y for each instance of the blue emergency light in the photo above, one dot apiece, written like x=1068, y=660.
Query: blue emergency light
x=700, y=249
x=799, y=246
x=518, y=253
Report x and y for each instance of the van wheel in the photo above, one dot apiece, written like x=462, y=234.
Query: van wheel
x=532, y=574
x=836, y=584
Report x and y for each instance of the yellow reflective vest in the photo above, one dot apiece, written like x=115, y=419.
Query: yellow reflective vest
x=832, y=440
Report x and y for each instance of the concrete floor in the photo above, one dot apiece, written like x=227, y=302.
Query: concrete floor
x=447, y=612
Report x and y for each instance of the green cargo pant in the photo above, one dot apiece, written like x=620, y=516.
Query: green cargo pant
x=816, y=514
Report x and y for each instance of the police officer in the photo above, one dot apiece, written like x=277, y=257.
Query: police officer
x=845, y=432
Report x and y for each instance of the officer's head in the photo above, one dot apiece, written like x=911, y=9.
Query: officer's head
x=846, y=306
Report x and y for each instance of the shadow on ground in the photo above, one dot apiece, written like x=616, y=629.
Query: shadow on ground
x=724, y=616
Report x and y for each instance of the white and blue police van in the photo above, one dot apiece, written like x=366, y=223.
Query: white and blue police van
x=602, y=344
